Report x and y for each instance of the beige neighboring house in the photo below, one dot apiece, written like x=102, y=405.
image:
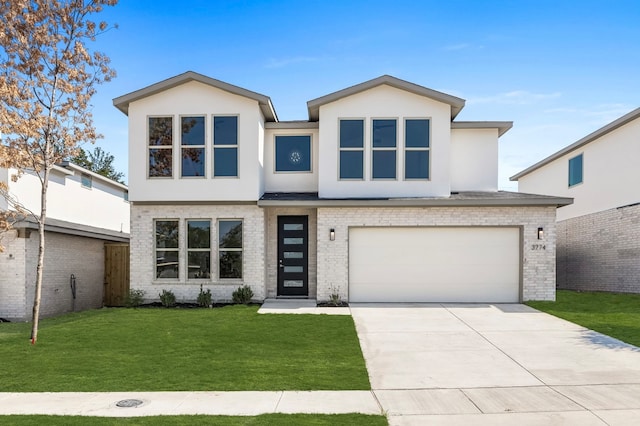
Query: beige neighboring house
x=599, y=234
x=380, y=195
x=85, y=211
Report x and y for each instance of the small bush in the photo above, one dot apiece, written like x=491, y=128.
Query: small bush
x=204, y=298
x=134, y=298
x=334, y=298
x=242, y=295
x=167, y=298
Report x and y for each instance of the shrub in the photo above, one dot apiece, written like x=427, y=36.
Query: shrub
x=242, y=295
x=167, y=298
x=334, y=298
x=134, y=298
x=204, y=298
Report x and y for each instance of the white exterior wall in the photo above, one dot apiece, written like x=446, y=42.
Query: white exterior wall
x=610, y=174
x=384, y=102
x=102, y=206
x=290, y=181
x=195, y=98
x=12, y=276
x=474, y=159
x=538, y=265
x=142, y=251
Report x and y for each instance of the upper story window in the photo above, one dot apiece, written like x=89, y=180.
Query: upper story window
x=198, y=249
x=167, y=248
x=86, y=181
x=416, y=146
x=193, y=146
x=160, y=146
x=383, y=165
x=293, y=153
x=575, y=170
x=225, y=146
x=351, y=149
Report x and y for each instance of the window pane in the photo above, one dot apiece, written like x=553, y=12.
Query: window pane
x=199, y=234
x=160, y=130
x=160, y=161
x=351, y=164
x=199, y=264
x=351, y=133
x=225, y=130
x=86, y=181
x=192, y=161
x=293, y=283
x=575, y=170
x=416, y=165
x=384, y=133
x=225, y=162
x=167, y=264
x=384, y=164
x=293, y=241
x=166, y=234
x=293, y=153
x=294, y=269
x=230, y=264
x=293, y=227
x=230, y=233
x=293, y=255
x=192, y=130
x=417, y=133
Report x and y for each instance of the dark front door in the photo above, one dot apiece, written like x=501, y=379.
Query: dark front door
x=293, y=248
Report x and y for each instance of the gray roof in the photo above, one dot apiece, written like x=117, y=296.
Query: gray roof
x=71, y=228
x=457, y=199
x=314, y=105
x=502, y=126
x=582, y=142
x=122, y=102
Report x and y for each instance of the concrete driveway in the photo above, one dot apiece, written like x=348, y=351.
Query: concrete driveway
x=494, y=364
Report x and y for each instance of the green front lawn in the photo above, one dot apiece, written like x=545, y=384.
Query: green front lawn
x=222, y=349
x=263, y=420
x=613, y=314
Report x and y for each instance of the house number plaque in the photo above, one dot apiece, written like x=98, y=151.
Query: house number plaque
x=538, y=247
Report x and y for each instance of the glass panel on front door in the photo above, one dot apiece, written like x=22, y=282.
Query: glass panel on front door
x=293, y=247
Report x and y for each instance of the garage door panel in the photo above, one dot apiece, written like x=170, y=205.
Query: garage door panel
x=434, y=264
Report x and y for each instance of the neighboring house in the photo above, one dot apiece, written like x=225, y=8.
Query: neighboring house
x=84, y=211
x=599, y=234
x=379, y=196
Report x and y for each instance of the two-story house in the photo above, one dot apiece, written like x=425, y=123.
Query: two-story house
x=381, y=195
x=85, y=211
x=599, y=234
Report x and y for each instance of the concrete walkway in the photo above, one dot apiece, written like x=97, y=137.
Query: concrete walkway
x=457, y=364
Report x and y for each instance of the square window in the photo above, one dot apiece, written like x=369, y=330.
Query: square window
x=417, y=133
x=192, y=130
x=225, y=130
x=160, y=131
x=351, y=164
x=351, y=133
x=575, y=170
x=384, y=133
x=192, y=162
x=384, y=164
x=293, y=153
x=416, y=164
x=225, y=162
x=160, y=162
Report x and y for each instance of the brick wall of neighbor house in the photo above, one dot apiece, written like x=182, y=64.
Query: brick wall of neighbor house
x=538, y=270
x=66, y=255
x=600, y=251
x=142, y=269
x=272, y=247
x=12, y=271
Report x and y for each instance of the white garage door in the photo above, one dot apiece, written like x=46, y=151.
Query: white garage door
x=434, y=264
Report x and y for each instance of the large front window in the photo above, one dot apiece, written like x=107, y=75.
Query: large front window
x=416, y=145
x=167, y=249
x=160, y=145
x=225, y=146
x=351, y=149
x=293, y=153
x=198, y=249
x=384, y=149
x=230, y=248
x=193, y=146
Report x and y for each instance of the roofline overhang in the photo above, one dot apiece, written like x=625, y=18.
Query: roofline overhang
x=292, y=125
x=122, y=102
x=314, y=105
x=502, y=126
x=69, y=166
x=70, y=228
x=625, y=119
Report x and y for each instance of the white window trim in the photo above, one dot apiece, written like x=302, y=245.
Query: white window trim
x=285, y=172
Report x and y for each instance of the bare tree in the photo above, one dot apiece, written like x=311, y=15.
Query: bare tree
x=47, y=79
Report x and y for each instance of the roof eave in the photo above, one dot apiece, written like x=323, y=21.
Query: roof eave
x=502, y=126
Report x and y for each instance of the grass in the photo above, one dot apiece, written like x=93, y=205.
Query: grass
x=263, y=420
x=614, y=314
x=223, y=349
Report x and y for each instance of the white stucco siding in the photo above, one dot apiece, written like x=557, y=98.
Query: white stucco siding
x=384, y=102
x=610, y=174
x=474, y=159
x=197, y=99
x=290, y=181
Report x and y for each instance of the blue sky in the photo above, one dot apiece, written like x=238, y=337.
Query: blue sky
x=558, y=69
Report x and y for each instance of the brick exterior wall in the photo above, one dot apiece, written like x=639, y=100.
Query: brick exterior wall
x=538, y=266
x=142, y=251
x=600, y=251
x=64, y=255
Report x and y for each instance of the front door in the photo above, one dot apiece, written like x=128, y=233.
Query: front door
x=293, y=248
